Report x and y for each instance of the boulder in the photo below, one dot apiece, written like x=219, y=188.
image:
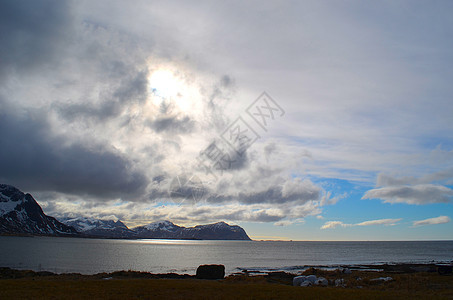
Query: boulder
x=347, y=271
x=298, y=280
x=306, y=283
x=444, y=269
x=210, y=272
x=321, y=281
x=311, y=278
x=382, y=279
x=340, y=282
x=309, y=281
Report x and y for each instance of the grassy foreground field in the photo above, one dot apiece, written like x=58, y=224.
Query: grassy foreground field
x=404, y=286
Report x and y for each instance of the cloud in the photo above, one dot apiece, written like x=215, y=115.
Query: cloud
x=387, y=222
x=33, y=159
x=33, y=35
x=440, y=176
x=173, y=124
x=80, y=122
x=432, y=221
x=335, y=224
x=273, y=191
x=416, y=194
x=130, y=89
x=142, y=213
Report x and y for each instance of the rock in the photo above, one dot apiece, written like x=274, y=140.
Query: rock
x=279, y=275
x=339, y=282
x=210, y=272
x=311, y=278
x=298, y=280
x=444, y=269
x=322, y=281
x=347, y=271
x=306, y=283
x=382, y=279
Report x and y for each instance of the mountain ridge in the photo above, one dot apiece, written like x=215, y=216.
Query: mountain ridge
x=21, y=214
x=214, y=231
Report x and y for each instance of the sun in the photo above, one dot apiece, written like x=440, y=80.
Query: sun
x=172, y=86
x=164, y=84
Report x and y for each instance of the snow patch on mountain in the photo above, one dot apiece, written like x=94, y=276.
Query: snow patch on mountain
x=21, y=214
x=162, y=225
x=8, y=206
x=83, y=224
x=216, y=231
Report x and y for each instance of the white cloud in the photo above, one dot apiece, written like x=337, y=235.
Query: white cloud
x=289, y=222
x=432, y=221
x=416, y=194
x=388, y=222
x=335, y=224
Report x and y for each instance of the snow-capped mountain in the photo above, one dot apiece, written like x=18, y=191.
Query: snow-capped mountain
x=21, y=214
x=159, y=230
x=216, y=231
x=99, y=228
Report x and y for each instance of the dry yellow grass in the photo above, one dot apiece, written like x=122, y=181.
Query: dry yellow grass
x=405, y=286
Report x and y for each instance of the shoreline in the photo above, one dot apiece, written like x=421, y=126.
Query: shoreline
x=404, y=281
x=396, y=268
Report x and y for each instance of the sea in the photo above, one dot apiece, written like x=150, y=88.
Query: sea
x=91, y=256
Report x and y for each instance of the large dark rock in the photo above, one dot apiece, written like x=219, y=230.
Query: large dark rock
x=444, y=269
x=210, y=272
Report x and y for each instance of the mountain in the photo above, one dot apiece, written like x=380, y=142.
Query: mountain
x=21, y=214
x=166, y=229
x=158, y=230
x=100, y=228
x=216, y=231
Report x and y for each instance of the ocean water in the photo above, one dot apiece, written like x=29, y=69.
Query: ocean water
x=90, y=256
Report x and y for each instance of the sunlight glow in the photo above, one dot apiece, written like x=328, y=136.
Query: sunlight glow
x=164, y=84
x=173, y=87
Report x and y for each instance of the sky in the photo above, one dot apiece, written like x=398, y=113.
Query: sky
x=301, y=120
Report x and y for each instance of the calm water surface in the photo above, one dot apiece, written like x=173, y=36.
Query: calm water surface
x=89, y=256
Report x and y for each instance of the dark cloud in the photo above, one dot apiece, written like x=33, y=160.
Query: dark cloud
x=224, y=157
x=131, y=89
x=34, y=160
x=426, y=189
x=173, y=124
x=218, y=96
x=32, y=33
x=272, y=195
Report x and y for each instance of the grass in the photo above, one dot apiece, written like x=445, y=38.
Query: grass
x=404, y=286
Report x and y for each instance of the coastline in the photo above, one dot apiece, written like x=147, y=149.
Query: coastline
x=408, y=281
